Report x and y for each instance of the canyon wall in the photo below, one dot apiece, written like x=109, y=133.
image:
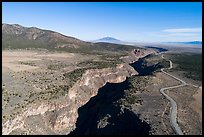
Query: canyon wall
x=60, y=117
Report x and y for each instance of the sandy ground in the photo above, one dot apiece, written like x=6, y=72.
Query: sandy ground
x=188, y=109
x=63, y=55
x=197, y=104
x=11, y=59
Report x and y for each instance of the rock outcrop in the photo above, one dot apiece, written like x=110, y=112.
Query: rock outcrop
x=61, y=117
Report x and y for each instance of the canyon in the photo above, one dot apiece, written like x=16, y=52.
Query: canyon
x=54, y=84
x=61, y=116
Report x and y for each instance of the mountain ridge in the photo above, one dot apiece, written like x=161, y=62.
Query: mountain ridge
x=108, y=40
x=19, y=34
x=187, y=42
x=15, y=36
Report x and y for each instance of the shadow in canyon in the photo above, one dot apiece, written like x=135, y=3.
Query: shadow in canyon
x=143, y=68
x=159, y=49
x=103, y=115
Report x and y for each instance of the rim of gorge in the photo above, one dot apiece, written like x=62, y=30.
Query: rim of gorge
x=106, y=114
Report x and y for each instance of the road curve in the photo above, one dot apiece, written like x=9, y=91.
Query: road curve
x=173, y=110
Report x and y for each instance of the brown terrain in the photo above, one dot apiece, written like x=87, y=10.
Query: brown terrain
x=189, y=101
x=80, y=91
x=31, y=88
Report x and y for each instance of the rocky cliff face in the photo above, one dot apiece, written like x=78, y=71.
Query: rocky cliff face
x=60, y=117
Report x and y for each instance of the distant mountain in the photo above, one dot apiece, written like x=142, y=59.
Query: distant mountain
x=190, y=42
x=109, y=40
x=194, y=42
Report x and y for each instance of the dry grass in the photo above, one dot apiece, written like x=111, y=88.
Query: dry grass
x=196, y=105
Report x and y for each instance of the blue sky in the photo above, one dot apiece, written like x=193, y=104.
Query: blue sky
x=127, y=21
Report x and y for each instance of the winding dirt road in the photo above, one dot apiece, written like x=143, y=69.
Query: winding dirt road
x=173, y=110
